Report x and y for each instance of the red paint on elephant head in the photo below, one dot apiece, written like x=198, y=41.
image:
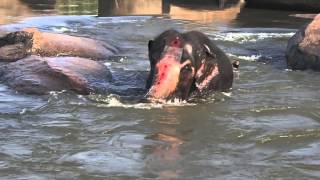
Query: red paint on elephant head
x=167, y=72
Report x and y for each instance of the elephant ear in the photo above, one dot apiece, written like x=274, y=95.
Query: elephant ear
x=207, y=70
x=150, y=44
x=151, y=59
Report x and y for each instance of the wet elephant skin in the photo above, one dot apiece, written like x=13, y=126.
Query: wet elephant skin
x=186, y=64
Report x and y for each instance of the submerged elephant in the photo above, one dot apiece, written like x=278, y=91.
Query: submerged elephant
x=19, y=44
x=15, y=45
x=40, y=75
x=39, y=67
x=186, y=64
x=182, y=65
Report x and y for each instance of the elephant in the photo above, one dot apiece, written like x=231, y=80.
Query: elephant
x=184, y=65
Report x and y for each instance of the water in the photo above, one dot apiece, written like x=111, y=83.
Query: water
x=268, y=128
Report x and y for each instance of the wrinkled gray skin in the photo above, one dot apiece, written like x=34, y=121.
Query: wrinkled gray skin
x=20, y=44
x=33, y=74
x=40, y=75
x=15, y=45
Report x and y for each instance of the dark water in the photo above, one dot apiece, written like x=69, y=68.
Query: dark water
x=268, y=128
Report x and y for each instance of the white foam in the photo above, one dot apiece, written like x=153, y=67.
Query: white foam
x=243, y=37
x=123, y=19
x=55, y=94
x=228, y=94
x=62, y=29
x=107, y=64
x=113, y=101
x=246, y=58
x=23, y=111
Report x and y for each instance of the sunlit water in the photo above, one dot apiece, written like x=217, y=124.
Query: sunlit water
x=268, y=128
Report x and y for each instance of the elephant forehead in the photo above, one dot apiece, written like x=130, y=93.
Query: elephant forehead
x=188, y=48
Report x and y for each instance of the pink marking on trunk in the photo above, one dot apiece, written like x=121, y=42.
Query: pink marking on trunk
x=167, y=79
x=205, y=83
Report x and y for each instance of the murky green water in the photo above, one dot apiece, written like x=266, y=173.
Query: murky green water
x=268, y=128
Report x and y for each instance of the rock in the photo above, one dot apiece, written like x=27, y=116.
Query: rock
x=298, y=5
x=17, y=45
x=39, y=75
x=303, y=50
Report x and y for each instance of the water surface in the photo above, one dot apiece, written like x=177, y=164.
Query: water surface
x=268, y=128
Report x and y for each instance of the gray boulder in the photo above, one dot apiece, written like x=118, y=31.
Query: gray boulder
x=303, y=50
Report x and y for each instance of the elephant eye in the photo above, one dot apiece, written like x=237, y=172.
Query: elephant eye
x=187, y=68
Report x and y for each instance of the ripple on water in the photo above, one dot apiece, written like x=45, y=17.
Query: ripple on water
x=291, y=136
x=15, y=150
x=106, y=161
x=15, y=103
x=300, y=150
x=273, y=109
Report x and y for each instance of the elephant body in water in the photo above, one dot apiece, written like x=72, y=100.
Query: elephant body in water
x=40, y=75
x=182, y=64
x=31, y=41
x=52, y=62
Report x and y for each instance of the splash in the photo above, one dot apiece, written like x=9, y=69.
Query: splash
x=251, y=58
x=242, y=37
x=115, y=101
x=227, y=94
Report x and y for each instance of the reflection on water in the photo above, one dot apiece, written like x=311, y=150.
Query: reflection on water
x=206, y=16
x=129, y=7
x=157, y=7
x=11, y=9
x=77, y=7
x=40, y=4
x=163, y=159
x=204, y=12
x=14, y=10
